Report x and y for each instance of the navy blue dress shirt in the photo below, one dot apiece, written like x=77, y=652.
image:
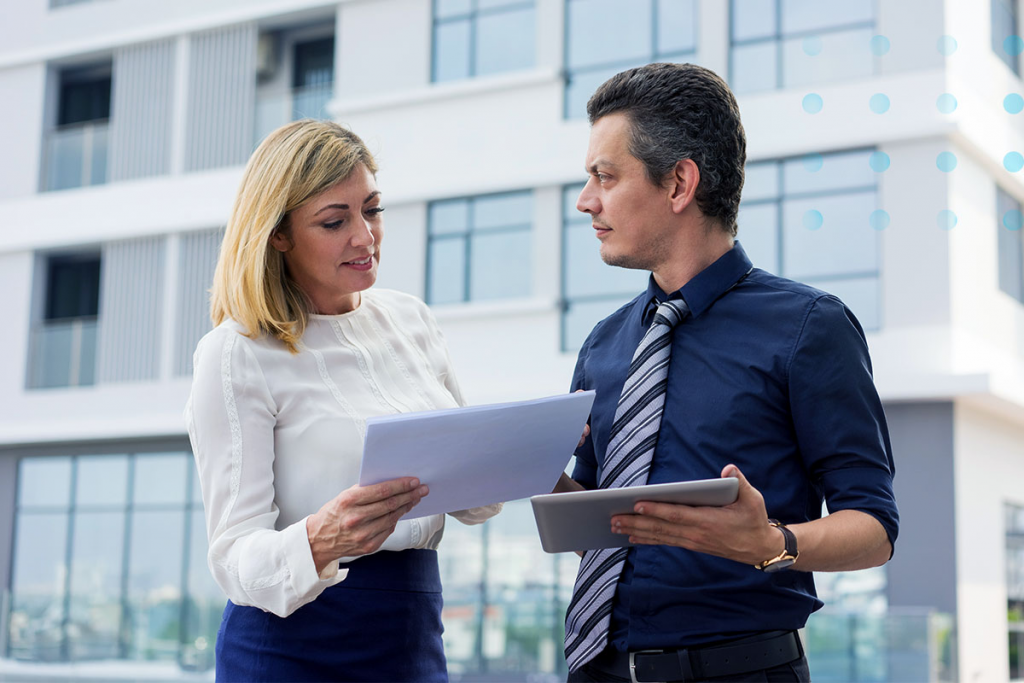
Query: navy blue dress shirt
x=770, y=375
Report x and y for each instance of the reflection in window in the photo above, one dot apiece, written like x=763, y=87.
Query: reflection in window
x=1015, y=588
x=842, y=256
x=788, y=43
x=479, y=248
x=604, y=37
x=591, y=290
x=1005, y=40
x=482, y=37
x=110, y=562
x=1011, y=245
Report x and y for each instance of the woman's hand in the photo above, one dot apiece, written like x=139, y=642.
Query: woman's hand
x=359, y=519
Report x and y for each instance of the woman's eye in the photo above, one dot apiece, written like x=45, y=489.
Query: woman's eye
x=375, y=211
x=333, y=225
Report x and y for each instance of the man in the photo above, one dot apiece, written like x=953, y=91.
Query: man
x=718, y=369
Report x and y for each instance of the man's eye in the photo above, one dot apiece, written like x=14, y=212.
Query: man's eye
x=333, y=225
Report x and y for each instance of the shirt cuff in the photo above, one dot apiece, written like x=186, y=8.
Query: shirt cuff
x=306, y=582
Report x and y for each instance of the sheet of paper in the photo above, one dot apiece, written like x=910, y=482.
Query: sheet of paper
x=477, y=455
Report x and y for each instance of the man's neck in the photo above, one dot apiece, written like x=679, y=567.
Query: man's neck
x=691, y=256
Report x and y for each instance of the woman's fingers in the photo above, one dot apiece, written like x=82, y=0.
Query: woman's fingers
x=365, y=495
x=389, y=506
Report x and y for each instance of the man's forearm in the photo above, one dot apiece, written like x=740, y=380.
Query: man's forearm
x=845, y=540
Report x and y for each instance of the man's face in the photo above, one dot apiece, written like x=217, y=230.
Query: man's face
x=631, y=215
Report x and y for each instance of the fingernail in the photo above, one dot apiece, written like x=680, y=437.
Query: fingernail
x=413, y=484
x=640, y=509
x=423, y=491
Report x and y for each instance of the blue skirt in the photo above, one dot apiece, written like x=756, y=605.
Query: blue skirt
x=382, y=623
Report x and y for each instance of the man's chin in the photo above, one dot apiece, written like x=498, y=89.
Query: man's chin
x=622, y=260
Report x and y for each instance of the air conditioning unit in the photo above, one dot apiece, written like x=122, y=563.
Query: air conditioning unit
x=268, y=58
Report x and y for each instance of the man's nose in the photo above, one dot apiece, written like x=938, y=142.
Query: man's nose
x=587, y=201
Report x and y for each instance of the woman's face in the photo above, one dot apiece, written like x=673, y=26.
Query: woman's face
x=332, y=246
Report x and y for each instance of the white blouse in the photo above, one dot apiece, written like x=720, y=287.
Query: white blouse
x=276, y=435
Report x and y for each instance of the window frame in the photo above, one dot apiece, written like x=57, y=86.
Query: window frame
x=473, y=17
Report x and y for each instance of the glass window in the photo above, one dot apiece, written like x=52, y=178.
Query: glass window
x=604, y=37
x=155, y=583
x=101, y=480
x=479, y=248
x=44, y=482
x=84, y=95
x=38, y=586
x=1004, y=28
x=314, y=63
x=770, y=48
x=94, y=610
x=1015, y=588
x=482, y=37
x=161, y=478
x=73, y=286
x=845, y=244
x=1011, y=245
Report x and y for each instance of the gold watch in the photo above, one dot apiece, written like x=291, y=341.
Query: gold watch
x=787, y=557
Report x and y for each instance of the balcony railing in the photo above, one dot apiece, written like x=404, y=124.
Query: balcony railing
x=273, y=111
x=76, y=156
x=63, y=354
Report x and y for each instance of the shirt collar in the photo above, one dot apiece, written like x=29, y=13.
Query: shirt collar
x=705, y=288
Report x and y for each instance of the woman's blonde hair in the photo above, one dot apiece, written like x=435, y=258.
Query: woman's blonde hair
x=291, y=166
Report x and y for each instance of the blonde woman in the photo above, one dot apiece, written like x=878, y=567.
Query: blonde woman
x=323, y=581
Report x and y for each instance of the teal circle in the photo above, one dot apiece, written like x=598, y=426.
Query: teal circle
x=946, y=103
x=946, y=45
x=879, y=103
x=1013, y=45
x=812, y=45
x=813, y=162
x=946, y=219
x=879, y=162
x=879, y=45
x=946, y=161
x=813, y=103
x=1013, y=162
x=813, y=219
x=879, y=219
x=1013, y=103
x=1013, y=219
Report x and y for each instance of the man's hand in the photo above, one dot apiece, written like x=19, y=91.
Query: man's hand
x=739, y=531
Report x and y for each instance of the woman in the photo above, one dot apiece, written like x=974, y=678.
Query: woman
x=322, y=585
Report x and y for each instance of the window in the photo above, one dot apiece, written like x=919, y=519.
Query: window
x=76, y=150
x=482, y=37
x=64, y=342
x=1011, y=245
x=591, y=290
x=1015, y=588
x=122, y=572
x=295, y=77
x=809, y=219
x=604, y=37
x=313, y=80
x=479, y=248
x=1005, y=42
x=787, y=43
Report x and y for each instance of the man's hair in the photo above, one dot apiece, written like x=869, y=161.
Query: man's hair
x=682, y=111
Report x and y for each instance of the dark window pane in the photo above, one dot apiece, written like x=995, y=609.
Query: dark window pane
x=606, y=31
x=160, y=478
x=314, y=63
x=446, y=266
x=505, y=41
x=500, y=265
x=753, y=19
x=451, y=50
x=37, y=587
x=96, y=567
x=84, y=96
x=73, y=287
x=677, y=26
x=101, y=480
x=44, y=481
x=154, y=584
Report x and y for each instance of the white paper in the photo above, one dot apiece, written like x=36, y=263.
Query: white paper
x=477, y=455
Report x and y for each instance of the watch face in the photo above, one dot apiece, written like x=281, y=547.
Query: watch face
x=784, y=563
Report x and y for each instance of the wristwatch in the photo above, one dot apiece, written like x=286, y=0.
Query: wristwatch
x=787, y=557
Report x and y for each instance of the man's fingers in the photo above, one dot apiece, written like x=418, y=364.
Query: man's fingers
x=673, y=512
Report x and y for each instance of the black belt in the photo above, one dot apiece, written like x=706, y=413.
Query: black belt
x=763, y=651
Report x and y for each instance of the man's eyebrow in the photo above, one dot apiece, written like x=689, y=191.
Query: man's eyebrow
x=598, y=163
x=344, y=207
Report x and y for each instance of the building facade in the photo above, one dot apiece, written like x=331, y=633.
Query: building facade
x=884, y=145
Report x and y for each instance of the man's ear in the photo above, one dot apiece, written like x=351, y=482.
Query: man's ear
x=683, y=181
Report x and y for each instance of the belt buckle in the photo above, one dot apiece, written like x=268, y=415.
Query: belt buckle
x=632, y=662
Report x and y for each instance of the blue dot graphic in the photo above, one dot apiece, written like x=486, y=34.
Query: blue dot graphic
x=946, y=161
x=879, y=162
x=879, y=219
x=1013, y=162
x=813, y=219
x=812, y=45
x=946, y=219
x=813, y=162
x=813, y=103
x=879, y=45
x=1013, y=45
x=879, y=103
x=946, y=103
x=946, y=45
x=1013, y=220
x=1013, y=103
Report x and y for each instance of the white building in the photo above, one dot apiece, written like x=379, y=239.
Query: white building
x=881, y=136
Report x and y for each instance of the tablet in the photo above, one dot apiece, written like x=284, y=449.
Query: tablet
x=581, y=520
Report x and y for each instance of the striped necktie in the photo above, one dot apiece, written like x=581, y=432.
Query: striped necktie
x=631, y=443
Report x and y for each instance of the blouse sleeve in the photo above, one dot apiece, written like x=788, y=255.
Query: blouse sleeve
x=446, y=374
x=231, y=416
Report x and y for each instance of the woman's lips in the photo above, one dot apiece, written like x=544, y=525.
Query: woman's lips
x=360, y=264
